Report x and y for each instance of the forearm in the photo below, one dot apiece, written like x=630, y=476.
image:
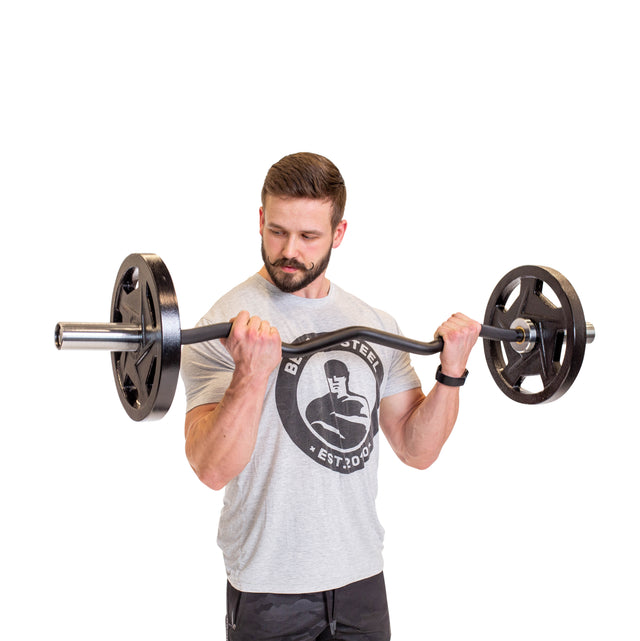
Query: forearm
x=431, y=419
x=220, y=441
x=429, y=425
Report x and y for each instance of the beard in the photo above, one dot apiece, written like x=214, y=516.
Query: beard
x=290, y=283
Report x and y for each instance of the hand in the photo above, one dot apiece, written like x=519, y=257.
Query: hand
x=254, y=345
x=460, y=334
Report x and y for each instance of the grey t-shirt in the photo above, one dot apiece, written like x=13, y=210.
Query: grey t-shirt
x=301, y=516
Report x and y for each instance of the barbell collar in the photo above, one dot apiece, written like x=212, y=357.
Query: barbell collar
x=529, y=335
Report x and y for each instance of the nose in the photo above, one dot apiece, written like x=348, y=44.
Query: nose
x=290, y=249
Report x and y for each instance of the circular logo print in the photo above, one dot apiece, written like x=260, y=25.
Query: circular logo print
x=328, y=403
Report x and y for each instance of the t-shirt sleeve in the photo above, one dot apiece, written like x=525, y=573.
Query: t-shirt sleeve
x=207, y=369
x=402, y=376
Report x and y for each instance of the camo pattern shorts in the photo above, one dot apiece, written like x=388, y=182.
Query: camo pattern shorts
x=358, y=611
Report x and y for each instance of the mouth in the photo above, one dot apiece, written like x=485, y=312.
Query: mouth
x=289, y=266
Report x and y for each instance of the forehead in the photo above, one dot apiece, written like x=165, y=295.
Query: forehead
x=297, y=213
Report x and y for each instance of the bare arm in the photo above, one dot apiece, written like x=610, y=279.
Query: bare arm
x=418, y=426
x=220, y=437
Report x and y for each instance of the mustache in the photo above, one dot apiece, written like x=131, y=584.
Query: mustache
x=290, y=262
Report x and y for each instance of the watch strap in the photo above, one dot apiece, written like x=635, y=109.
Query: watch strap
x=451, y=381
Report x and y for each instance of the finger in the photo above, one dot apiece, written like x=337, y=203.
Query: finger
x=241, y=319
x=265, y=328
x=274, y=335
x=458, y=323
x=461, y=317
x=251, y=329
x=238, y=325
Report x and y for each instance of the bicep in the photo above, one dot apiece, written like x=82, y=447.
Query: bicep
x=395, y=410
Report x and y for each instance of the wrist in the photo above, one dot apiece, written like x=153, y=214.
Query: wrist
x=449, y=380
x=248, y=384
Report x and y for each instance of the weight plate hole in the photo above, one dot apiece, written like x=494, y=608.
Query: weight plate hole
x=532, y=384
x=151, y=308
x=130, y=391
x=131, y=280
x=551, y=297
x=560, y=348
x=151, y=376
x=512, y=298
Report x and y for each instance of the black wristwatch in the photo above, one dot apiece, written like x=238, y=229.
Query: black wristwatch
x=451, y=381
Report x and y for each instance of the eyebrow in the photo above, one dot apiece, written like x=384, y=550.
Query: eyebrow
x=311, y=232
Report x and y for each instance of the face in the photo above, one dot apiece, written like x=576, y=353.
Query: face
x=297, y=240
x=338, y=385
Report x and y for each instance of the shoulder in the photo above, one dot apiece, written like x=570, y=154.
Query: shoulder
x=242, y=296
x=360, y=309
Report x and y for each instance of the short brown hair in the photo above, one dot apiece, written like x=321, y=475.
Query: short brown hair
x=307, y=175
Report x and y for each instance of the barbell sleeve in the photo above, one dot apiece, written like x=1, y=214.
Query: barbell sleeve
x=114, y=337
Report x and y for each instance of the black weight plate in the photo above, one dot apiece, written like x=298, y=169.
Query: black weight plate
x=557, y=356
x=144, y=295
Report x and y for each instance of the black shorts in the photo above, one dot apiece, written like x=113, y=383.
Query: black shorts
x=356, y=611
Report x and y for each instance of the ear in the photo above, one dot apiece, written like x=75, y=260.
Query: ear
x=261, y=220
x=338, y=234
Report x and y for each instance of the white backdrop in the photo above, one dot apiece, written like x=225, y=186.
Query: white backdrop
x=474, y=137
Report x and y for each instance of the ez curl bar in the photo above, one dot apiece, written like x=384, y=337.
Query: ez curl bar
x=527, y=335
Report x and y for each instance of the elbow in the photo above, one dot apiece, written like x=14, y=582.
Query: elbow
x=211, y=478
x=422, y=462
x=214, y=474
x=207, y=474
x=214, y=484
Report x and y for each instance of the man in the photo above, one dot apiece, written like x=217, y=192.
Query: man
x=299, y=533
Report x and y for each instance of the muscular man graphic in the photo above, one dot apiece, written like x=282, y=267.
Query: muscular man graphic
x=341, y=418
